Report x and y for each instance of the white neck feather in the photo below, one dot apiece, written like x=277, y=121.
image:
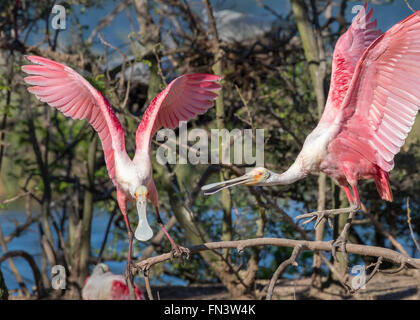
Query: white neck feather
x=291, y=175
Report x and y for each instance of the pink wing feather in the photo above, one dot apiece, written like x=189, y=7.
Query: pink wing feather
x=347, y=52
x=184, y=98
x=63, y=88
x=384, y=97
x=108, y=286
x=120, y=291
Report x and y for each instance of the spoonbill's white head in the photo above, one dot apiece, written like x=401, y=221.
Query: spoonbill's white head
x=143, y=231
x=100, y=269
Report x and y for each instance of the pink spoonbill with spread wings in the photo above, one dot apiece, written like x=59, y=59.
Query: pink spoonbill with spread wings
x=372, y=104
x=104, y=285
x=184, y=98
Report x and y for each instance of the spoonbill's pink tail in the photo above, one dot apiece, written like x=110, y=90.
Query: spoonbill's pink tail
x=382, y=184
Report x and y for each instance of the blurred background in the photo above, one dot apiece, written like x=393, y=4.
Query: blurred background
x=58, y=205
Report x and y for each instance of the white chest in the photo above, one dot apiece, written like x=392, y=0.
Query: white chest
x=130, y=175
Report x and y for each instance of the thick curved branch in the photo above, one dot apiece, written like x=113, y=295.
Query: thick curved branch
x=364, y=250
x=32, y=264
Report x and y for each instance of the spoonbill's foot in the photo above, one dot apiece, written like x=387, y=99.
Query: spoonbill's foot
x=318, y=216
x=340, y=242
x=179, y=252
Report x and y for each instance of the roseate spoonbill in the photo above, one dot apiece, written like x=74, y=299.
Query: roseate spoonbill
x=184, y=98
x=104, y=285
x=372, y=104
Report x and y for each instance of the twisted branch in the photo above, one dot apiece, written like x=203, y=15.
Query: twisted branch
x=282, y=267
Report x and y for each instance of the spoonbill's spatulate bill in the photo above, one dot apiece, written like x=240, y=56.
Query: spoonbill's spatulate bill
x=372, y=104
x=184, y=98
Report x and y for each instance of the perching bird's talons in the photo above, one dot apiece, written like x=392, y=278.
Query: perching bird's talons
x=186, y=252
x=181, y=253
x=318, y=216
x=143, y=266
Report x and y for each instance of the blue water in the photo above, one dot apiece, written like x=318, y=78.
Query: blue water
x=30, y=242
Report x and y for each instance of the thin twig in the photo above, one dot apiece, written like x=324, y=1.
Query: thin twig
x=249, y=121
x=147, y=282
x=409, y=7
x=410, y=226
x=380, y=227
x=295, y=282
x=334, y=271
x=281, y=268
x=158, y=63
x=108, y=228
x=107, y=20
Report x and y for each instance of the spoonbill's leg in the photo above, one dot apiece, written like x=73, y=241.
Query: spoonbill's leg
x=341, y=241
x=180, y=251
x=122, y=203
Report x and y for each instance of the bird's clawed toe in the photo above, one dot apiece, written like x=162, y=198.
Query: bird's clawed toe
x=317, y=216
x=185, y=252
x=180, y=252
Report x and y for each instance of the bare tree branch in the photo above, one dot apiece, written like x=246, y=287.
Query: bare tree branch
x=363, y=250
x=282, y=267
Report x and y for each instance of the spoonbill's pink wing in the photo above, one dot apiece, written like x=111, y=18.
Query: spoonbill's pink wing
x=184, y=98
x=347, y=52
x=108, y=286
x=63, y=88
x=120, y=291
x=384, y=97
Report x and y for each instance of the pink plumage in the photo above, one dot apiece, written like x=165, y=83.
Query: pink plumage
x=63, y=88
x=347, y=52
x=372, y=104
x=104, y=285
x=184, y=98
x=378, y=110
